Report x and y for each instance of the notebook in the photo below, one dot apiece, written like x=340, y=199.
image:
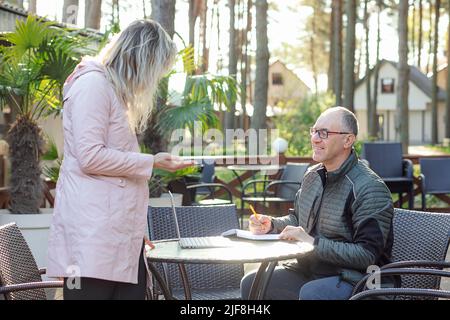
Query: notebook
x=197, y=242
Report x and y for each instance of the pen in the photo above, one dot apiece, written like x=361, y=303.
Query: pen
x=255, y=214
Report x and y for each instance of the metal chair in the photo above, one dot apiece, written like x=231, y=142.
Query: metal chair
x=207, y=187
x=386, y=159
x=207, y=282
x=421, y=241
x=276, y=191
x=435, y=177
x=20, y=278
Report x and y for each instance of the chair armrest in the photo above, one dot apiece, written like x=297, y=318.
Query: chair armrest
x=361, y=285
x=281, y=182
x=408, y=169
x=31, y=286
x=402, y=291
x=422, y=182
x=254, y=182
x=417, y=263
x=211, y=187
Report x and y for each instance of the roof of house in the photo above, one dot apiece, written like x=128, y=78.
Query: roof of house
x=415, y=76
x=4, y=6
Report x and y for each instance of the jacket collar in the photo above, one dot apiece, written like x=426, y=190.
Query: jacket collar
x=348, y=165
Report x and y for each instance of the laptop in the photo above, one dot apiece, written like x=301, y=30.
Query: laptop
x=197, y=242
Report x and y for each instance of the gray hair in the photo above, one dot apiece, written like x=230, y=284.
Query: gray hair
x=135, y=61
x=349, y=121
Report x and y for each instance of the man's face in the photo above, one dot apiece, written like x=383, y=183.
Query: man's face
x=335, y=147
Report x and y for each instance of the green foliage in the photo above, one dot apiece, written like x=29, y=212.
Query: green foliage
x=294, y=125
x=160, y=179
x=201, y=93
x=33, y=69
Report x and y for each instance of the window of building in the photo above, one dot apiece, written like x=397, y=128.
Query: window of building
x=277, y=79
x=387, y=85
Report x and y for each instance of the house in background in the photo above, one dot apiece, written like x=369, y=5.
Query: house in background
x=284, y=85
x=419, y=102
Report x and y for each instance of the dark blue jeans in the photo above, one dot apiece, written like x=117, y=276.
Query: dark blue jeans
x=287, y=284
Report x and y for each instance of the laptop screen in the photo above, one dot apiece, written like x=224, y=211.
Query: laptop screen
x=174, y=212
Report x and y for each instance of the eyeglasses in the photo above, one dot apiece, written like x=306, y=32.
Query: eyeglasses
x=323, y=133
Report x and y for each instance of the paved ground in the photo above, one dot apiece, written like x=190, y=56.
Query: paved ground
x=424, y=151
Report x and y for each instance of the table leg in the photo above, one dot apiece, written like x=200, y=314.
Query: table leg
x=185, y=280
x=161, y=282
x=261, y=280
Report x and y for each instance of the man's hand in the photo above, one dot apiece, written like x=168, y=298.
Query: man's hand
x=168, y=162
x=296, y=234
x=259, y=225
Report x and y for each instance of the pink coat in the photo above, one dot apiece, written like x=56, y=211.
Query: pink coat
x=100, y=215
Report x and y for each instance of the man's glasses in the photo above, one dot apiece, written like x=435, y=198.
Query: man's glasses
x=323, y=133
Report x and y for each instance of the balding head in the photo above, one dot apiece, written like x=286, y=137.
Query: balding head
x=347, y=118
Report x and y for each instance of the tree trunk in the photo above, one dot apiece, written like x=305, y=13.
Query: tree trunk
x=332, y=49
x=434, y=88
x=430, y=44
x=312, y=50
x=349, y=68
x=163, y=11
x=232, y=62
x=447, y=109
x=262, y=66
x=419, y=40
x=413, y=31
x=374, y=116
x=368, y=85
x=337, y=38
x=70, y=11
x=402, y=119
x=32, y=6
x=192, y=19
x=26, y=148
x=93, y=14
x=204, y=64
x=245, y=65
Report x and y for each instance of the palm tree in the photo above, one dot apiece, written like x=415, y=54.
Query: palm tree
x=32, y=72
x=402, y=115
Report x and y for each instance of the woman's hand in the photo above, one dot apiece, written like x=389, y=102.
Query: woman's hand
x=296, y=234
x=259, y=225
x=168, y=162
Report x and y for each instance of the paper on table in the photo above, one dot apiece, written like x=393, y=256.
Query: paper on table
x=248, y=235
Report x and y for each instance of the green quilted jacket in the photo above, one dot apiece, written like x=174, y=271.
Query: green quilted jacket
x=349, y=213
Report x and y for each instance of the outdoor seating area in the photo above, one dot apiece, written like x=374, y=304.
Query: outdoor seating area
x=196, y=151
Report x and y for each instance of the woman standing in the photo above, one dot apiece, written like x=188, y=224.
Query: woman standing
x=100, y=216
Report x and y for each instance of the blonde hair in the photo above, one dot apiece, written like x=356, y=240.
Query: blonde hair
x=135, y=61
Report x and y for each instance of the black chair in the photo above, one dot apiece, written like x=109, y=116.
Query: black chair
x=20, y=278
x=207, y=282
x=386, y=159
x=435, y=177
x=207, y=188
x=276, y=191
x=421, y=241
